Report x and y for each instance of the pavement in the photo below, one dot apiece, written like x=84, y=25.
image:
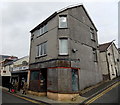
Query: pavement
x=87, y=94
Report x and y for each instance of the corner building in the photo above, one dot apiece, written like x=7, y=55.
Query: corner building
x=64, y=56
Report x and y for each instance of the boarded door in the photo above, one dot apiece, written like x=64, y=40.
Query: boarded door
x=75, y=80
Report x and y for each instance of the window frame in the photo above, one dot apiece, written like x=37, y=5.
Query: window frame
x=92, y=35
x=41, y=49
x=59, y=24
x=95, y=57
x=62, y=53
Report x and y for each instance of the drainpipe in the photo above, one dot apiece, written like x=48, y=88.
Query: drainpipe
x=115, y=63
x=107, y=64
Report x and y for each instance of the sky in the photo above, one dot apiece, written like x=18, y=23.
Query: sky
x=20, y=16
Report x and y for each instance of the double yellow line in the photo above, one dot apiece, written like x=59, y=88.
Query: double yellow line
x=102, y=93
x=30, y=100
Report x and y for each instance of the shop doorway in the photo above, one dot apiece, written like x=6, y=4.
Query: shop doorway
x=38, y=80
x=43, y=80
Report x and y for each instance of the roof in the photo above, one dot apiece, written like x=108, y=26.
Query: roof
x=59, y=11
x=119, y=50
x=103, y=47
x=4, y=57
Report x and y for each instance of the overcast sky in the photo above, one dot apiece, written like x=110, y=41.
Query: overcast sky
x=18, y=18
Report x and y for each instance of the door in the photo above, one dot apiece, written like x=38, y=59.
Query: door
x=75, y=83
x=43, y=80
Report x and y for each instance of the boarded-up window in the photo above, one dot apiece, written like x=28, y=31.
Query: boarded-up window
x=35, y=75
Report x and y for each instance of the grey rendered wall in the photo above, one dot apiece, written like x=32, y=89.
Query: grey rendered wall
x=79, y=25
x=51, y=38
x=103, y=62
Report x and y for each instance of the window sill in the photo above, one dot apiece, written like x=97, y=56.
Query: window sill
x=40, y=56
x=63, y=54
x=62, y=28
x=96, y=61
x=93, y=40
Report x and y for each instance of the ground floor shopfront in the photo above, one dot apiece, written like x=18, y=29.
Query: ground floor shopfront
x=19, y=77
x=61, y=81
x=5, y=81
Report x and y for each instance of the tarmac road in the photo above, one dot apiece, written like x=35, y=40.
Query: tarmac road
x=110, y=96
x=11, y=99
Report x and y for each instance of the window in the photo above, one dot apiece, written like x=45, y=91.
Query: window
x=43, y=29
x=63, y=46
x=63, y=21
x=41, y=49
x=95, y=54
x=36, y=33
x=92, y=34
x=35, y=75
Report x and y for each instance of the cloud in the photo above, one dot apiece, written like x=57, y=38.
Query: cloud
x=18, y=18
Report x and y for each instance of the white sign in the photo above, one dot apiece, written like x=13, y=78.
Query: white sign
x=20, y=68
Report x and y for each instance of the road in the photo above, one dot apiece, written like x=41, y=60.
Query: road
x=8, y=98
x=109, y=96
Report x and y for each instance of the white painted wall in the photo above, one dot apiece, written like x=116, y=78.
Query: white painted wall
x=103, y=63
x=18, y=64
x=7, y=71
x=113, y=64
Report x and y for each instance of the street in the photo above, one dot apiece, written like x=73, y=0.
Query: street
x=8, y=98
x=109, y=96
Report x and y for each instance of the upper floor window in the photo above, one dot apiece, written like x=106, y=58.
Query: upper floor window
x=43, y=29
x=41, y=49
x=40, y=31
x=92, y=34
x=63, y=21
x=95, y=55
x=63, y=46
x=36, y=33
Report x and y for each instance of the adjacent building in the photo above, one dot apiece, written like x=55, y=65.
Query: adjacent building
x=5, y=68
x=109, y=58
x=119, y=60
x=64, y=55
x=19, y=73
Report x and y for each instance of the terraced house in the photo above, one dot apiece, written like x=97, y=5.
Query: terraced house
x=109, y=58
x=64, y=56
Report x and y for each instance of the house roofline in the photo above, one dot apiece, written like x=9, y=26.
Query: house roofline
x=59, y=11
x=112, y=42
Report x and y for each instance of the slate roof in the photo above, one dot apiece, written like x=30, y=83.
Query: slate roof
x=103, y=47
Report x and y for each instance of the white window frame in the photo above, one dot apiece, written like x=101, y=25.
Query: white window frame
x=43, y=29
x=41, y=49
x=60, y=22
x=61, y=47
x=36, y=32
